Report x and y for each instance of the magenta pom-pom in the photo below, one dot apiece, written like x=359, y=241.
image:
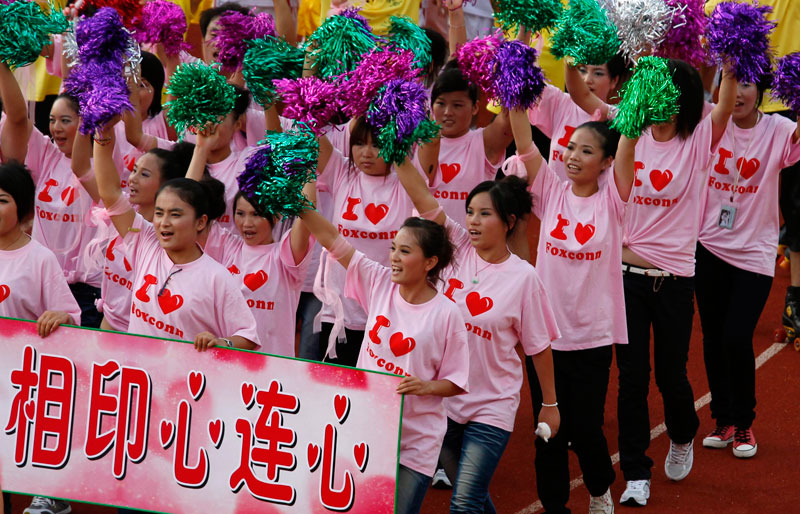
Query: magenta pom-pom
x=162, y=22
x=376, y=68
x=518, y=80
x=684, y=38
x=786, y=82
x=234, y=30
x=738, y=36
x=476, y=60
x=309, y=100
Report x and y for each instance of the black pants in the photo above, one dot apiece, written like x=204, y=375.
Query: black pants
x=86, y=295
x=346, y=353
x=581, y=379
x=730, y=301
x=790, y=201
x=666, y=304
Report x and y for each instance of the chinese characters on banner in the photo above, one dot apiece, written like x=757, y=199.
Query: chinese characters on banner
x=149, y=424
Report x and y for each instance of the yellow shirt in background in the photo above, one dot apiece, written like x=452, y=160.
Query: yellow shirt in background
x=378, y=12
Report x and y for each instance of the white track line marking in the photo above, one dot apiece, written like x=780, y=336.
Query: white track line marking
x=660, y=429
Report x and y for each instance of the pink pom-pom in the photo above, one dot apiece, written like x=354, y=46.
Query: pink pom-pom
x=476, y=61
x=684, y=38
x=309, y=100
x=162, y=22
x=376, y=68
x=234, y=31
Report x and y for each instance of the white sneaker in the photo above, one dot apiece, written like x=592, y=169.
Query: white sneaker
x=601, y=504
x=679, y=460
x=42, y=505
x=636, y=494
x=440, y=480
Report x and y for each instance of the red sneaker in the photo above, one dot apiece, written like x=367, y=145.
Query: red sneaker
x=744, y=443
x=720, y=437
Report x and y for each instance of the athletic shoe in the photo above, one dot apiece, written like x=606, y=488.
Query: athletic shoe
x=744, y=443
x=42, y=505
x=601, y=504
x=720, y=437
x=636, y=494
x=679, y=460
x=440, y=480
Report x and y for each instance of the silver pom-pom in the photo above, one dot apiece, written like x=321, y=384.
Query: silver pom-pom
x=70, y=47
x=641, y=24
x=133, y=60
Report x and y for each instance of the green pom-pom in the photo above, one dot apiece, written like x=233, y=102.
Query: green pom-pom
x=535, y=15
x=269, y=59
x=275, y=174
x=648, y=98
x=394, y=150
x=338, y=44
x=405, y=34
x=202, y=96
x=25, y=29
x=584, y=33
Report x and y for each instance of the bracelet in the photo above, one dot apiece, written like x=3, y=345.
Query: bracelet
x=550, y=404
x=227, y=342
x=103, y=142
x=456, y=26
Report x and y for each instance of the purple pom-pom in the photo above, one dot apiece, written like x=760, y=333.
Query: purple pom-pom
x=786, y=82
x=162, y=22
x=376, y=68
x=129, y=10
x=309, y=100
x=476, y=59
x=352, y=13
x=234, y=31
x=101, y=91
x=519, y=82
x=101, y=37
x=684, y=38
x=738, y=36
x=402, y=101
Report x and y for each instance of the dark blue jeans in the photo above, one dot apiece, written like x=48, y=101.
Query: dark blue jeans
x=470, y=455
x=86, y=295
x=411, y=489
x=311, y=347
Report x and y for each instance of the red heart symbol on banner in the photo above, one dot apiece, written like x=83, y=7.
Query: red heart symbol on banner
x=449, y=171
x=375, y=213
x=216, y=429
x=341, y=405
x=401, y=345
x=167, y=433
x=660, y=179
x=169, y=302
x=313, y=456
x=234, y=270
x=748, y=167
x=255, y=280
x=478, y=305
x=5, y=291
x=583, y=232
x=361, y=454
x=30, y=409
x=68, y=195
x=248, y=394
x=197, y=384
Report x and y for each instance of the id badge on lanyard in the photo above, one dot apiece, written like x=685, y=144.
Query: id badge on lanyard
x=727, y=215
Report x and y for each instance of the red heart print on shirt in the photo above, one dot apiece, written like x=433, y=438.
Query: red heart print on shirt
x=660, y=179
x=401, y=345
x=68, y=195
x=375, y=213
x=255, y=280
x=234, y=270
x=169, y=302
x=748, y=167
x=5, y=291
x=449, y=171
x=583, y=232
x=477, y=304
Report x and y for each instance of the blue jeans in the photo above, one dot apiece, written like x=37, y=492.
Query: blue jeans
x=310, y=346
x=411, y=489
x=470, y=454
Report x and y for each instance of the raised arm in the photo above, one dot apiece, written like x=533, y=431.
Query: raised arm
x=17, y=129
x=428, y=155
x=107, y=177
x=528, y=152
x=624, y=167
x=298, y=237
x=325, y=152
x=134, y=132
x=580, y=92
x=724, y=108
x=206, y=139
x=457, y=34
x=81, y=163
x=497, y=136
x=285, y=22
x=327, y=236
x=418, y=191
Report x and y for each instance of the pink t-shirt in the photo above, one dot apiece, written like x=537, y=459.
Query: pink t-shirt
x=507, y=306
x=270, y=282
x=760, y=153
x=31, y=282
x=256, y=128
x=368, y=211
x=126, y=155
x=578, y=260
x=226, y=171
x=663, y=217
x=198, y=296
x=462, y=166
x=427, y=341
x=61, y=208
x=117, y=287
